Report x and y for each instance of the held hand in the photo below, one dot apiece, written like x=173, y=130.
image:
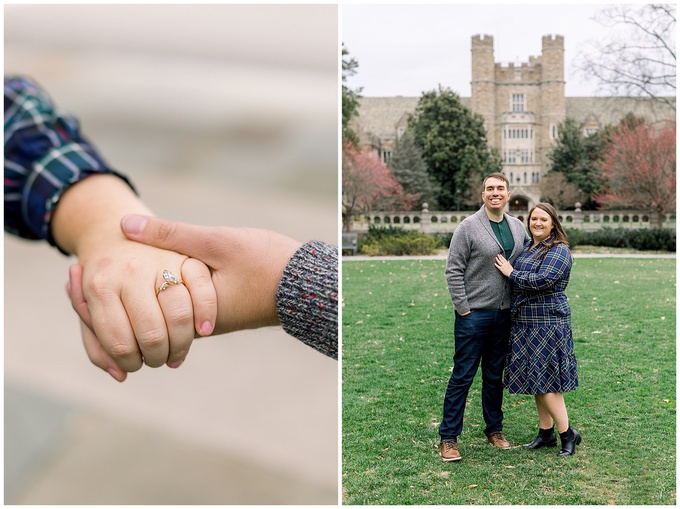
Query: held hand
x=246, y=264
x=115, y=292
x=94, y=349
x=503, y=265
x=124, y=323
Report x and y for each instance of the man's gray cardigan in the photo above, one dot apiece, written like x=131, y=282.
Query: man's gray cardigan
x=474, y=281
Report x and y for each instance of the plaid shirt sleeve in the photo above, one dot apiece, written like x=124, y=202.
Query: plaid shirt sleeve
x=45, y=153
x=555, y=267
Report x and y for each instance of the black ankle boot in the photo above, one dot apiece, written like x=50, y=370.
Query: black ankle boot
x=545, y=438
x=570, y=439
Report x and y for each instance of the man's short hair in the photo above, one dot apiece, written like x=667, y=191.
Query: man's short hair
x=498, y=176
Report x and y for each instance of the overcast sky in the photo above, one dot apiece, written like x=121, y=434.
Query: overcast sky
x=408, y=49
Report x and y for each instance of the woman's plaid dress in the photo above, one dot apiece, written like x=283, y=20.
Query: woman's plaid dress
x=541, y=352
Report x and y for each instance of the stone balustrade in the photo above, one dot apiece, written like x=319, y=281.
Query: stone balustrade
x=443, y=222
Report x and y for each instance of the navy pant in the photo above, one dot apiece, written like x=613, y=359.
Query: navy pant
x=482, y=336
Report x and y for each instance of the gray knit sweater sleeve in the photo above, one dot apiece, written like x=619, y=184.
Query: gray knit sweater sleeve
x=307, y=298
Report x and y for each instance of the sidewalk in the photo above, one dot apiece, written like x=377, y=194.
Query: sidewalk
x=361, y=258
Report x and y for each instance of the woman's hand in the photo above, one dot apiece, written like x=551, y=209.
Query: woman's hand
x=128, y=325
x=114, y=288
x=503, y=265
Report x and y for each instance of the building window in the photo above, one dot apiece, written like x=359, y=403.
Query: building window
x=523, y=133
x=524, y=156
x=589, y=131
x=553, y=131
x=517, y=102
x=386, y=156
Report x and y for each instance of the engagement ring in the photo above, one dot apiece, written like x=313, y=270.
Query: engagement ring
x=170, y=280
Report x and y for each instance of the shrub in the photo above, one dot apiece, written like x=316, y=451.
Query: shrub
x=392, y=241
x=382, y=232
x=398, y=242
x=576, y=237
x=445, y=239
x=656, y=239
x=608, y=237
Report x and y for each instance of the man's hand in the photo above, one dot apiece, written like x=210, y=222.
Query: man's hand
x=246, y=264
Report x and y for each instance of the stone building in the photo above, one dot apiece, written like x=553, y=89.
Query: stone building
x=522, y=106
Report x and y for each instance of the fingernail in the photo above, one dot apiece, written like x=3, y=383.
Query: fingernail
x=206, y=328
x=113, y=373
x=133, y=224
x=175, y=364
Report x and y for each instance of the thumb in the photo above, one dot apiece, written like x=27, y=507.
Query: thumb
x=187, y=239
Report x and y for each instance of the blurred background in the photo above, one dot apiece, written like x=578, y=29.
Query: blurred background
x=220, y=115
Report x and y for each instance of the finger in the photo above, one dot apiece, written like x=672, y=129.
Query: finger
x=198, y=281
x=175, y=303
x=148, y=324
x=75, y=291
x=111, y=324
x=195, y=241
x=98, y=355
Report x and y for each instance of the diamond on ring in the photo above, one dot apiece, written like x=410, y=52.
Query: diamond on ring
x=170, y=279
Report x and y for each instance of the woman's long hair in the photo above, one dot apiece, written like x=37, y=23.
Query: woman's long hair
x=557, y=234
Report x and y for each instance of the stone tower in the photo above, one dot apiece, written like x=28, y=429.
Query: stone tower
x=522, y=106
x=553, y=103
x=483, y=79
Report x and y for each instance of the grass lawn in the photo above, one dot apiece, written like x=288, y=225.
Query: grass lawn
x=397, y=344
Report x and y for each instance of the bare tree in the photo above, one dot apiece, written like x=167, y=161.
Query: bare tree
x=637, y=57
x=559, y=192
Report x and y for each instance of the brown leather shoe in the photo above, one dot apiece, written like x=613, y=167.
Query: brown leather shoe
x=498, y=440
x=449, y=450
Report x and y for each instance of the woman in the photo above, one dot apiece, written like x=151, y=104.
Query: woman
x=541, y=357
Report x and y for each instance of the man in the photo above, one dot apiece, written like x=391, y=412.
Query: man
x=481, y=298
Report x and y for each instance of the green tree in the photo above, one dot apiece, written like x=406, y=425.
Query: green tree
x=409, y=168
x=452, y=140
x=576, y=157
x=350, y=97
